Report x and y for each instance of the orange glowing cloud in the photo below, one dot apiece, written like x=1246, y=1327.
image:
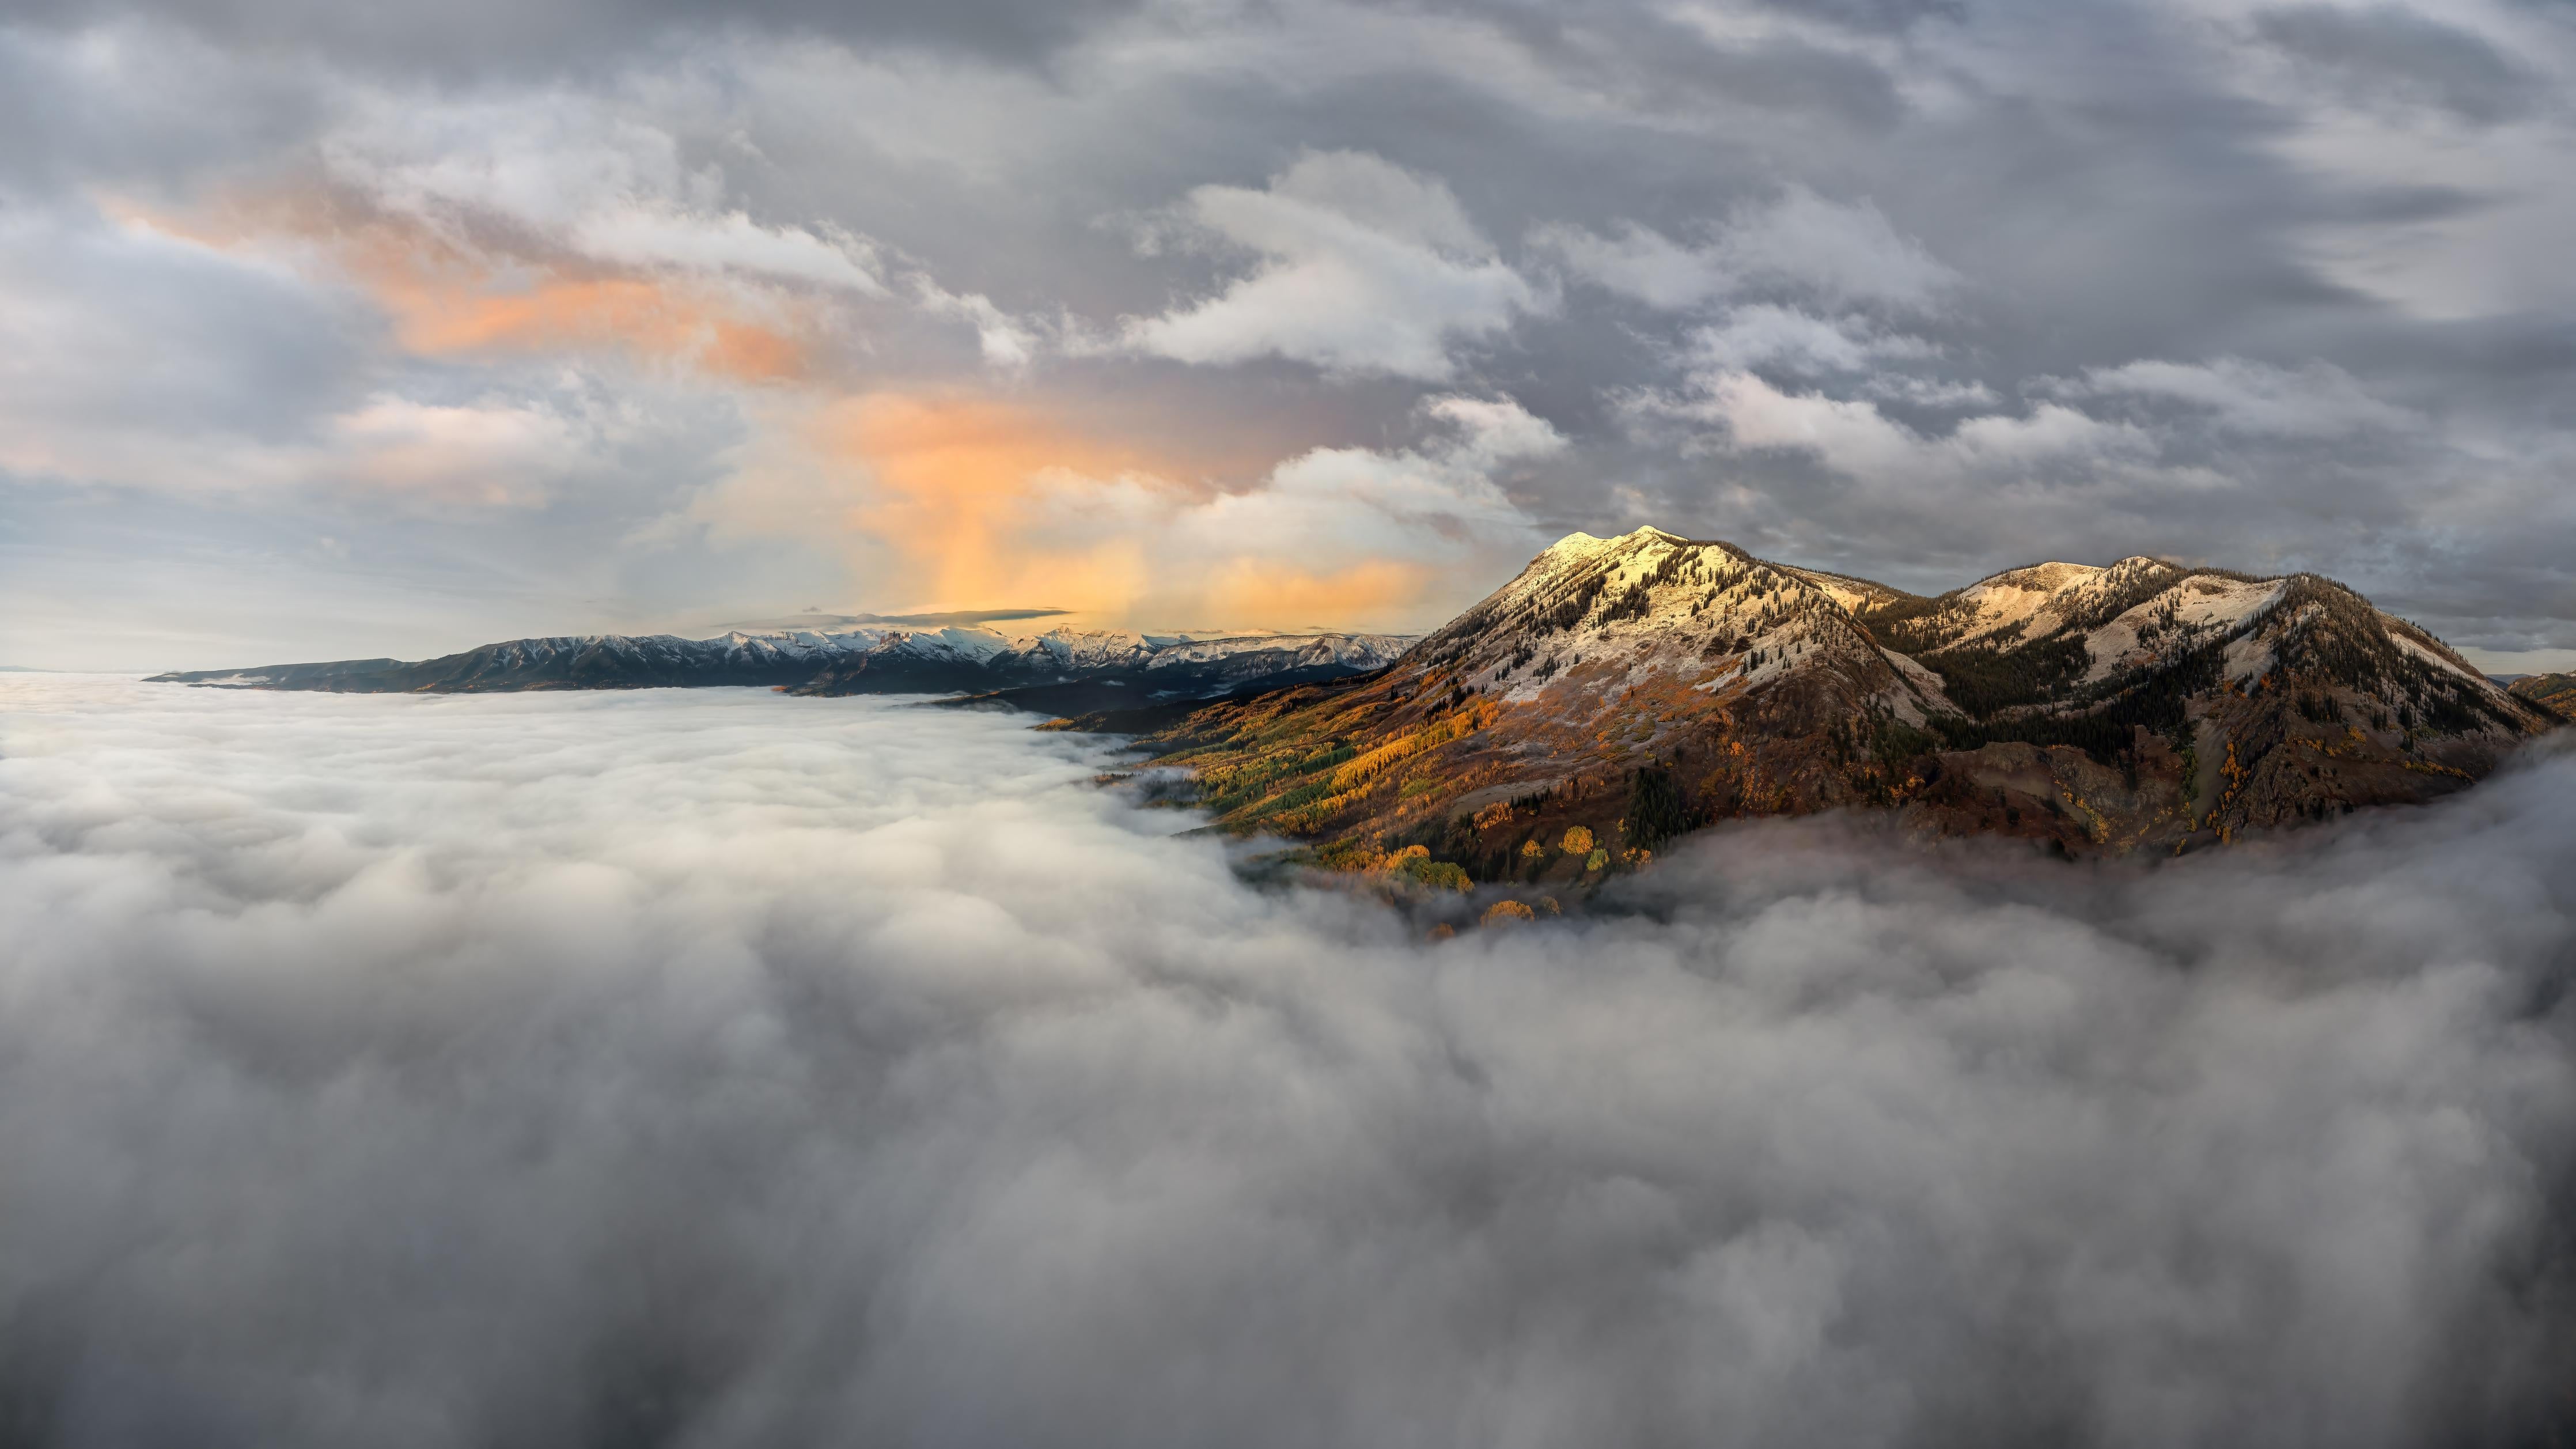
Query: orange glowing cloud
x=645, y=317
x=979, y=500
x=446, y=297
x=981, y=503
x=1257, y=589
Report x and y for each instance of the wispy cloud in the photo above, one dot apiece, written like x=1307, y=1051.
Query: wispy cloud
x=1365, y=267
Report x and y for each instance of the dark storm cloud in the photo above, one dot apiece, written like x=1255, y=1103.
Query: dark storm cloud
x=715, y=1068
x=1659, y=61
x=482, y=36
x=2394, y=54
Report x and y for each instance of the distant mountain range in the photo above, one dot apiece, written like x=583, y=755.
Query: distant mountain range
x=1060, y=671
x=1621, y=691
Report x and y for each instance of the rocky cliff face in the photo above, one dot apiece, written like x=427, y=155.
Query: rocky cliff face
x=1621, y=691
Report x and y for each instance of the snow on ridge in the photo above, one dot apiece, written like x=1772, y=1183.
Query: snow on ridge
x=803, y=641
x=1102, y=649
x=1926, y=685
x=1368, y=649
x=1841, y=588
x=2054, y=577
x=1082, y=648
x=2208, y=599
x=2204, y=603
x=1994, y=607
x=957, y=641
x=2447, y=665
x=2043, y=598
x=1577, y=544
x=2248, y=657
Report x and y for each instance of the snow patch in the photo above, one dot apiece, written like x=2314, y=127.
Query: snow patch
x=2247, y=659
x=2207, y=600
x=2445, y=665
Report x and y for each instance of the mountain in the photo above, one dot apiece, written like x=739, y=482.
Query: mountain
x=2553, y=692
x=1621, y=691
x=1054, y=671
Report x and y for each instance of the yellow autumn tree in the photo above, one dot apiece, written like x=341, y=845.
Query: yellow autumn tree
x=1578, y=840
x=1507, y=913
x=1402, y=857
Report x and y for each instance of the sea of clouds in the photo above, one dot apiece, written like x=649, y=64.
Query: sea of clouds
x=719, y=1068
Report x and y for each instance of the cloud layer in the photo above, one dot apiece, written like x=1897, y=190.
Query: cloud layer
x=719, y=1068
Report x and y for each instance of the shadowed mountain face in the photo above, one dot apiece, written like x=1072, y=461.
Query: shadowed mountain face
x=1621, y=691
x=1055, y=671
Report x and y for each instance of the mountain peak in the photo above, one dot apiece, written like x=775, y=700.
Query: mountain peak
x=1583, y=545
x=2042, y=577
x=1640, y=685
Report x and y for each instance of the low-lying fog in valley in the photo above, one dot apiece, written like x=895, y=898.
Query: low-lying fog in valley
x=719, y=1068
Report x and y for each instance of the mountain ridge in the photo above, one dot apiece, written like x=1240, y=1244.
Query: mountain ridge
x=955, y=659
x=1619, y=691
x=2553, y=692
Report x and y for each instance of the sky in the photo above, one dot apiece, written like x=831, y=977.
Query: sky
x=333, y=330
x=715, y=1068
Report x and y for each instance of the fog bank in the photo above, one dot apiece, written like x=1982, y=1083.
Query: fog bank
x=719, y=1068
